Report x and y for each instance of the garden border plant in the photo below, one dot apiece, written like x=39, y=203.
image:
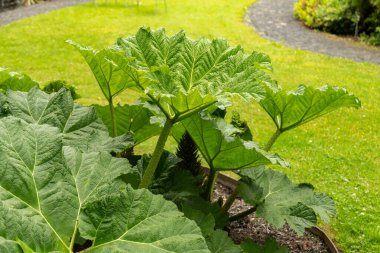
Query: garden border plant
x=182, y=83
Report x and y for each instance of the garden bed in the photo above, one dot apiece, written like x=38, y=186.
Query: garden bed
x=314, y=240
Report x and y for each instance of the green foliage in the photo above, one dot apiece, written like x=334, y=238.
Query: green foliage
x=56, y=85
x=136, y=119
x=219, y=146
x=187, y=76
x=175, y=75
x=245, y=132
x=278, y=200
x=373, y=38
x=291, y=109
x=111, y=79
x=219, y=242
x=8, y=246
x=80, y=126
x=51, y=188
x=179, y=75
x=15, y=81
x=341, y=16
x=332, y=162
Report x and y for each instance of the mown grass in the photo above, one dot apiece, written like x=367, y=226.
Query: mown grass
x=338, y=154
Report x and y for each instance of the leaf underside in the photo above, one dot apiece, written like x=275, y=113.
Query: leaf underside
x=184, y=76
x=291, y=109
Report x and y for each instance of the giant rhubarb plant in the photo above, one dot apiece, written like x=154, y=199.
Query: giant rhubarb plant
x=183, y=76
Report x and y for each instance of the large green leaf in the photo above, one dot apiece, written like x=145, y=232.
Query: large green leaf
x=221, y=150
x=39, y=202
x=219, y=242
x=80, y=125
x=95, y=170
x=131, y=118
x=207, y=208
x=15, y=81
x=291, y=109
x=278, y=200
x=206, y=222
x=138, y=221
x=46, y=188
x=189, y=75
x=8, y=246
x=111, y=79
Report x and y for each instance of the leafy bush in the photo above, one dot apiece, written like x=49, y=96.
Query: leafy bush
x=341, y=16
x=61, y=188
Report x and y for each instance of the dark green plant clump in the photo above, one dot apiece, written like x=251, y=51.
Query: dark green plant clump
x=188, y=152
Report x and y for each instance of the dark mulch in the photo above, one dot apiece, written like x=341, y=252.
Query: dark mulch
x=258, y=230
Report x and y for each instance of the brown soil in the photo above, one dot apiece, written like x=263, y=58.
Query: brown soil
x=258, y=230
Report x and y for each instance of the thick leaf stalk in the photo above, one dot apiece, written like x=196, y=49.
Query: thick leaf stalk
x=230, y=200
x=113, y=117
x=242, y=214
x=210, y=184
x=272, y=140
x=159, y=149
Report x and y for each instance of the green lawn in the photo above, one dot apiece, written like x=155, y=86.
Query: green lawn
x=338, y=154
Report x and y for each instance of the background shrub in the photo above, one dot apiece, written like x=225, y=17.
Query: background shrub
x=342, y=17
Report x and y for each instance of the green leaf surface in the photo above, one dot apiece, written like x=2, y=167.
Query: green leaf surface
x=46, y=188
x=3, y=105
x=138, y=221
x=291, y=109
x=221, y=150
x=188, y=75
x=80, y=126
x=219, y=242
x=207, y=207
x=205, y=222
x=131, y=118
x=8, y=246
x=39, y=203
x=111, y=79
x=15, y=81
x=278, y=200
x=96, y=171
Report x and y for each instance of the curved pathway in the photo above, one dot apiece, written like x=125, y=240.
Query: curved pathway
x=274, y=19
x=11, y=15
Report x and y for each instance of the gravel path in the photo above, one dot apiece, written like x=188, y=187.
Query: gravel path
x=9, y=16
x=274, y=19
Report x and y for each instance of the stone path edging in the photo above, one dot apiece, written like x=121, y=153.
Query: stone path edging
x=274, y=20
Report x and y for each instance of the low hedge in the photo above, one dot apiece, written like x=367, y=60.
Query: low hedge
x=342, y=17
